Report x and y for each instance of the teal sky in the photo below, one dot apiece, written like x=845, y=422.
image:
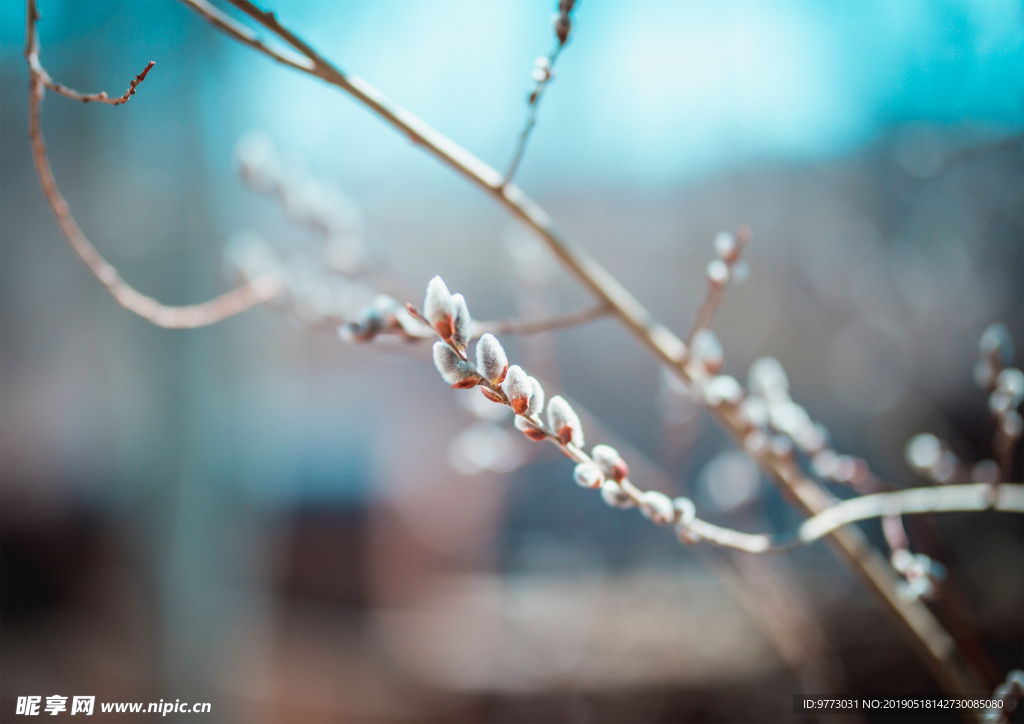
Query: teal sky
x=647, y=92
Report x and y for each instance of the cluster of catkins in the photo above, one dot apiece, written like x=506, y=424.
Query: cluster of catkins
x=1004, y=384
x=604, y=468
x=922, y=574
x=319, y=280
x=933, y=458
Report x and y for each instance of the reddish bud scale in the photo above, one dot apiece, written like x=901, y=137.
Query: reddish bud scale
x=466, y=384
x=535, y=434
x=565, y=434
x=504, y=372
x=444, y=327
x=491, y=395
x=620, y=471
x=520, y=405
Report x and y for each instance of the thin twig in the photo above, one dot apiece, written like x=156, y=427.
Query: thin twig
x=196, y=315
x=513, y=327
x=531, y=115
x=547, y=324
x=1006, y=497
x=932, y=642
x=38, y=72
x=716, y=288
x=100, y=97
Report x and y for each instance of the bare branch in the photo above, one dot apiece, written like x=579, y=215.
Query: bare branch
x=531, y=115
x=1005, y=497
x=718, y=282
x=100, y=97
x=37, y=70
x=197, y=315
x=935, y=646
x=242, y=34
x=537, y=326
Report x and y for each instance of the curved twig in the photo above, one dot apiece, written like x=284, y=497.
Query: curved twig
x=197, y=315
x=1005, y=497
x=100, y=97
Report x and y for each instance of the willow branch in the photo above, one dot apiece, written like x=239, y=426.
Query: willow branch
x=547, y=324
x=162, y=315
x=531, y=115
x=100, y=97
x=716, y=287
x=932, y=642
x=1006, y=497
x=228, y=25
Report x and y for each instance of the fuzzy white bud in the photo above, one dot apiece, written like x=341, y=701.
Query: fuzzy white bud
x=529, y=429
x=613, y=494
x=658, y=507
x=755, y=411
x=491, y=361
x=996, y=341
x=610, y=462
x=564, y=421
x=686, y=509
x=438, y=307
x=923, y=452
x=1011, y=382
x=517, y=387
x=790, y=418
x=462, y=323
x=768, y=380
x=825, y=463
x=708, y=350
x=455, y=371
x=587, y=475
x=723, y=389
x=687, y=513
x=536, y=404
x=718, y=273
x=386, y=308
x=725, y=246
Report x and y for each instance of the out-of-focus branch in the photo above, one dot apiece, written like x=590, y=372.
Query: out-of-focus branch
x=1004, y=497
x=162, y=315
x=1008, y=498
x=531, y=115
x=542, y=74
x=720, y=273
x=547, y=324
x=242, y=34
x=371, y=325
x=932, y=642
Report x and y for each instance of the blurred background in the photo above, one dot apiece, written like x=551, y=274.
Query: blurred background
x=293, y=528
